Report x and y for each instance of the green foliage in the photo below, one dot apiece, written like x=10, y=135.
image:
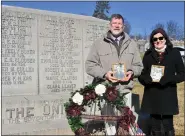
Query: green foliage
x=75, y=123
x=101, y=10
x=102, y=7
x=66, y=105
x=120, y=101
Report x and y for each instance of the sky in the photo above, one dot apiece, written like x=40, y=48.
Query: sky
x=142, y=16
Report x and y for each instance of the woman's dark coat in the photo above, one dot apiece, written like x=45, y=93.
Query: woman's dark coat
x=161, y=97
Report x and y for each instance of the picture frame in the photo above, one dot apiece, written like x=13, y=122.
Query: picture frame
x=157, y=72
x=119, y=70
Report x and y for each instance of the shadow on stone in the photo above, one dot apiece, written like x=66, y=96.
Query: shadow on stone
x=135, y=102
x=143, y=118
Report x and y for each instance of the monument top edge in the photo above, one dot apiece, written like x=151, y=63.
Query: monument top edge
x=49, y=12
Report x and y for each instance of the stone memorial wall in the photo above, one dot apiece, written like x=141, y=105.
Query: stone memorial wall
x=43, y=55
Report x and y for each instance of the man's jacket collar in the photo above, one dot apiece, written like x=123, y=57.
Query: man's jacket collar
x=108, y=37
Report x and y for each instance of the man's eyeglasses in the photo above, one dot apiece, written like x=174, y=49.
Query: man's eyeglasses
x=160, y=38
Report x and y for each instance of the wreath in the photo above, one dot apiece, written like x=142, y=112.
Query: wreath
x=107, y=91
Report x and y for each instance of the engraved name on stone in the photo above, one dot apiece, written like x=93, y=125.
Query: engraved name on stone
x=18, y=53
x=93, y=30
x=60, y=54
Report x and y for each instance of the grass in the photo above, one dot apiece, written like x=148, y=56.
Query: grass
x=178, y=119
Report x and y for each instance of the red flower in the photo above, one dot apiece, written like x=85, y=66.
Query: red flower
x=74, y=110
x=123, y=124
x=93, y=95
x=126, y=112
x=89, y=95
x=126, y=119
x=81, y=132
x=111, y=93
x=132, y=119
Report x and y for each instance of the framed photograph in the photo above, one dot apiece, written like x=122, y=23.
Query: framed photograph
x=157, y=72
x=119, y=70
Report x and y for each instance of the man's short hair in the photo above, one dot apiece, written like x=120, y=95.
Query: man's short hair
x=117, y=16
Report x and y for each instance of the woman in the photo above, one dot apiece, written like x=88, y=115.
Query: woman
x=160, y=98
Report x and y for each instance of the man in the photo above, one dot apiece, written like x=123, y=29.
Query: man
x=115, y=47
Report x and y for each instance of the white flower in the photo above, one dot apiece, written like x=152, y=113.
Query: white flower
x=78, y=98
x=100, y=89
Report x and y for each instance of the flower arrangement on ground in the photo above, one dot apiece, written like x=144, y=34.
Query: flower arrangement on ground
x=95, y=93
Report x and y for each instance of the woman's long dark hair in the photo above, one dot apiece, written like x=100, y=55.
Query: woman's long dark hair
x=162, y=31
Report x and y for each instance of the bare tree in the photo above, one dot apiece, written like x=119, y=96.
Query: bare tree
x=172, y=27
x=180, y=33
x=159, y=25
x=127, y=28
x=145, y=36
x=138, y=36
x=173, y=30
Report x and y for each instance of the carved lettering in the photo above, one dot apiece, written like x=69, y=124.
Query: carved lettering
x=28, y=114
x=19, y=111
x=10, y=110
x=48, y=110
x=19, y=53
